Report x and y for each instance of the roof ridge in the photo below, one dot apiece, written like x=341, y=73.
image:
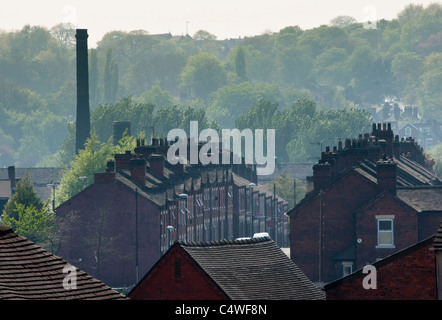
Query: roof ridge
x=222, y=242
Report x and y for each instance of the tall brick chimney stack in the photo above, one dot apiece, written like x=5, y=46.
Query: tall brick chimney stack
x=137, y=166
x=321, y=175
x=384, y=132
x=157, y=164
x=386, y=175
x=83, y=112
x=11, y=177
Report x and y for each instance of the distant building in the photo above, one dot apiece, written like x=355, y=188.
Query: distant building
x=426, y=134
x=43, y=180
x=254, y=269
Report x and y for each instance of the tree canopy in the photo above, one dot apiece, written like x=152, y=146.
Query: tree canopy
x=340, y=66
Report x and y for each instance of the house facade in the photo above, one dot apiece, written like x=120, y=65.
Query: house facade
x=368, y=200
x=409, y=274
x=117, y=228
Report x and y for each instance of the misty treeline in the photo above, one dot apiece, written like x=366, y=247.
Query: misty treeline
x=312, y=86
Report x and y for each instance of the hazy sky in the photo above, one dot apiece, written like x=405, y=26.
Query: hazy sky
x=225, y=19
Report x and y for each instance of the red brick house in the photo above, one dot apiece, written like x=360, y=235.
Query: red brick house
x=370, y=199
x=413, y=273
x=117, y=228
x=409, y=274
x=253, y=269
x=28, y=272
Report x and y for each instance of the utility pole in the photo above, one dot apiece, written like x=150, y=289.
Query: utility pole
x=136, y=235
x=320, y=236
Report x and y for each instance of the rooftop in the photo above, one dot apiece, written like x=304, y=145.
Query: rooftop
x=252, y=269
x=28, y=272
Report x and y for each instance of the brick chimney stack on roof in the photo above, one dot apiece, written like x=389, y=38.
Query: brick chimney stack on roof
x=321, y=175
x=386, y=175
x=384, y=132
x=122, y=160
x=137, y=167
x=156, y=162
x=11, y=177
x=108, y=176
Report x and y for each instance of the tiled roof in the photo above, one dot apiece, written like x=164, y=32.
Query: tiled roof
x=422, y=198
x=40, y=178
x=28, y=272
x=409, y=173
x=252, y=269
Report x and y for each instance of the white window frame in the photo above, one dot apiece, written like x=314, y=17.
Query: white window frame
x=385, y=218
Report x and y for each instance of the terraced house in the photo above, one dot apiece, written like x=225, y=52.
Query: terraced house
x=117, y=228
x=370, y=198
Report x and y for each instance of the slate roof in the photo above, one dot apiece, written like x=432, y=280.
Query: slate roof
x=409, y=173
x=28, y=272
x=422, y=198
x=40, y=178
x=255, y=269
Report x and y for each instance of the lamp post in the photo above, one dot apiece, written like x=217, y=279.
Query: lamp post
x=183, y=196
x=251, y=185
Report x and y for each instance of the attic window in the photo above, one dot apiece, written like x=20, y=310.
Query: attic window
x=177, y=268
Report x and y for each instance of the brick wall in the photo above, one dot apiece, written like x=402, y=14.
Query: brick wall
x=338, y=204
x=99, y=224
x=163, y=282
x=405, y=227
x=407, y=275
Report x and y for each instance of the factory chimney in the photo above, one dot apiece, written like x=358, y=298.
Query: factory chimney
x=83, y=113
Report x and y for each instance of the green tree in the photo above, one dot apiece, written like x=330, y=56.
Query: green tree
x=284, y=189
x=91, y=159
x=111, y=80
x=407, y=67
x=240, y=64
x=94, y=95
x=229, y=101
x=342, y=21
x=24, y=194
x=203, y=35
x=28, y=216
x=32, y=223
x=435, y=154
x=429, y=91
x=203, y=74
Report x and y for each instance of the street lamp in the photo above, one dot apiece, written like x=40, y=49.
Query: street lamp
x=251, y=185
x=182, y=196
